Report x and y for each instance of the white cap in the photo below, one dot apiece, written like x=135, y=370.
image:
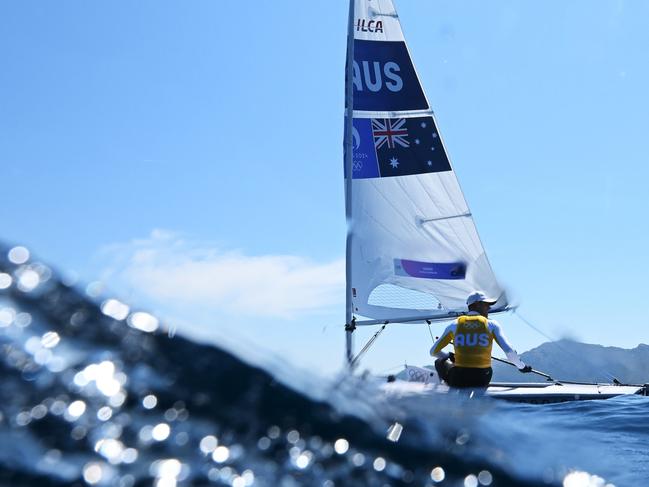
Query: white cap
x=479, y=296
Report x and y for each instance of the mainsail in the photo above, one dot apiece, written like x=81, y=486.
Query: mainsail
x=413, y=249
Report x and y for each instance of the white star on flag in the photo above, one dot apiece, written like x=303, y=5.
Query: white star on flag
x=394, y=162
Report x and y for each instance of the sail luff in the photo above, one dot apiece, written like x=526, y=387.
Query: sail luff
x=348, y=147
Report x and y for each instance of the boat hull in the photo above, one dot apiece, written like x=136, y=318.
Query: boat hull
x=555, y=393
x=531, y=393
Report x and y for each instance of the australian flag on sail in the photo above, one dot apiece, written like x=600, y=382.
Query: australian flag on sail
x=386, y=147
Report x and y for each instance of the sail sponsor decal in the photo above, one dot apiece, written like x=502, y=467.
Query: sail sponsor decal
x=368, y=25
x=429, y=270
x=387, y=147
x=384, y=77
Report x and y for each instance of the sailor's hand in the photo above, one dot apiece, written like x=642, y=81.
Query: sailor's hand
x=451, y=357
x=526, y=369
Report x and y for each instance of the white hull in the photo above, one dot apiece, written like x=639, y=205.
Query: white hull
x=559, y=392
x=534, y=393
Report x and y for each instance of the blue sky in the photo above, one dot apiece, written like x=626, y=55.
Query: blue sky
x=190, y=155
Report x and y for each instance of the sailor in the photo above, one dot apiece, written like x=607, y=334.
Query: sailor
x=472, y=336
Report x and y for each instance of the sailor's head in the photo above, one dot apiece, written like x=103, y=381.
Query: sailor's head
x=478, y=301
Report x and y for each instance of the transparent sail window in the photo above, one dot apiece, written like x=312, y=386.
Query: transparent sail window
x=391, y=296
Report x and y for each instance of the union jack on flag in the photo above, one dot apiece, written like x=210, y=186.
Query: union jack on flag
x=390, y=132
x=391, y=147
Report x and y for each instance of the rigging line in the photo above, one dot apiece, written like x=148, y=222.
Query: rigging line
x=556, y=342
x=367, y=346
x=430, y=331
x=535, y=328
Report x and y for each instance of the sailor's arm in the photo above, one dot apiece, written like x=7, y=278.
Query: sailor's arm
x=502, y=342
x=442, y=341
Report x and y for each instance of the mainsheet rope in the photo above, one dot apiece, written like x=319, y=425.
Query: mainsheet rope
x=556, y=342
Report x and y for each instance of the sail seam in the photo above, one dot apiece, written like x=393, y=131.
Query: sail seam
x=450, y=198
x=396, y=210
x=442, y=184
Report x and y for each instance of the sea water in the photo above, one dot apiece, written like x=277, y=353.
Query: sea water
x=94, y=394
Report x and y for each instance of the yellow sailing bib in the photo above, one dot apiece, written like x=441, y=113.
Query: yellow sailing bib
x=473, y=342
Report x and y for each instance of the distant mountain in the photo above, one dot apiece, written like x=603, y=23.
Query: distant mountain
x=570, y=360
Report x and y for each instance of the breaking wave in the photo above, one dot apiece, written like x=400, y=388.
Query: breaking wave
x=96, y=393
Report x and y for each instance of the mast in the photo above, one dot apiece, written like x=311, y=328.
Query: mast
x=349, y=116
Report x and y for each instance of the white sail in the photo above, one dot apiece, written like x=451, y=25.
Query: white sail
x=414, y=250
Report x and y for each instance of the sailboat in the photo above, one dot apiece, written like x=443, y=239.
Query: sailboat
x=413, y=252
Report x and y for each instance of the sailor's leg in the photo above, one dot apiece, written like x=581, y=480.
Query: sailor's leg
x=488, y=374
x=442, y=366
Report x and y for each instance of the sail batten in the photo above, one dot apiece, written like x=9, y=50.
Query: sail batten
x=410, y=227
x=392, y=114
